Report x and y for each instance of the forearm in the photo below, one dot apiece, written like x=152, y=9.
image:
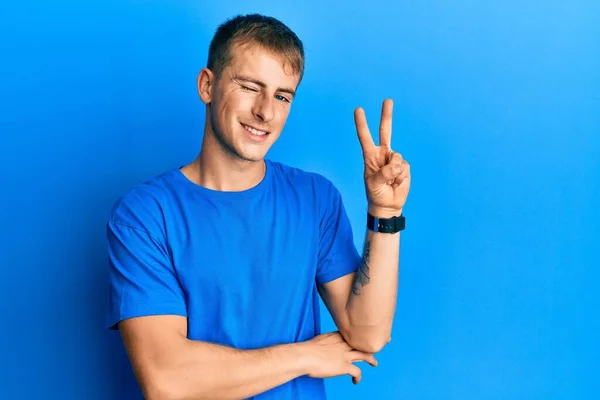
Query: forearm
x=372, y=300
x=204, y=370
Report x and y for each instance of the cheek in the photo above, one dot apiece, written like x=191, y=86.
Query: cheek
x=239, y=106
x=283, y=113
x=218, y=115
x=225, y=113
x=229, y=104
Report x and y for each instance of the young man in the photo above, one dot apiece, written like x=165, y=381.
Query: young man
x=216, y=268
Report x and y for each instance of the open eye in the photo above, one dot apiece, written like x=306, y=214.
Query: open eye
x=282, y=98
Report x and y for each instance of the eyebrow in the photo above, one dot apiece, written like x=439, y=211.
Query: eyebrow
x=262, y=84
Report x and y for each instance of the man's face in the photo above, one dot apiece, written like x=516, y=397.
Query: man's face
x=252, y=96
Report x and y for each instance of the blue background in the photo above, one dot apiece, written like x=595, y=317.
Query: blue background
x=496, y=107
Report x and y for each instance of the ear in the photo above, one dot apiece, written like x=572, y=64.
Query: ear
x=206, y=80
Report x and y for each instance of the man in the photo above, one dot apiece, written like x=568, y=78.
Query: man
x=216, y=267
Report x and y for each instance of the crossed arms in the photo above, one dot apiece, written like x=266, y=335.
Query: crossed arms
x=170, y=366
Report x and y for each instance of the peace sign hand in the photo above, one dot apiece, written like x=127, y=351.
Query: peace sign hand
x=386, y=174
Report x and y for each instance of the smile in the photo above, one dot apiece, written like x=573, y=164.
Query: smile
x=254, y=131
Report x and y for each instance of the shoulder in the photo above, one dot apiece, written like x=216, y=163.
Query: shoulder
x=312, y=187
x=302, y=178
x=142, y=206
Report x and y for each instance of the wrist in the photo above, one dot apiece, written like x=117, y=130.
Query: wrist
x=381, y=212
x=303, y=357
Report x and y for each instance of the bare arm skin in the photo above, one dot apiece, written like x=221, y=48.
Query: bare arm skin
x=169, y=366
x=363, y=304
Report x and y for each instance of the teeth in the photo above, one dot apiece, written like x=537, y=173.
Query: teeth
x=255, y=131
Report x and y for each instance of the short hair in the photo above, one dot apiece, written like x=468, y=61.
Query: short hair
x=267, y=32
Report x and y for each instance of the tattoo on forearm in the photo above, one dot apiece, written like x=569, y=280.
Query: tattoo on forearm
x=362, y=277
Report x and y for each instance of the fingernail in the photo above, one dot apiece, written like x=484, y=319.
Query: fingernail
x=397, y=169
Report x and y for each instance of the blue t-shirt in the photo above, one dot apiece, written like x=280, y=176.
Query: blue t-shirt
x=241, y=266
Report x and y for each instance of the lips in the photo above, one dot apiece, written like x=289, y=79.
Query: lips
x=255, y=131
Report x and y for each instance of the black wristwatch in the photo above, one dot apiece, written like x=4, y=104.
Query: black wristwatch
x=386, y=225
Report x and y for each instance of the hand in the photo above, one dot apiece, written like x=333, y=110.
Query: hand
x=329, y=355
x=386, y=174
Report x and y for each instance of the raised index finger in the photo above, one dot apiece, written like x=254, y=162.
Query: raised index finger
x=362, y=129
x=385, y=126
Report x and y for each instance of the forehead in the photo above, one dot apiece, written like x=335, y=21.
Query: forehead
x=259, y=63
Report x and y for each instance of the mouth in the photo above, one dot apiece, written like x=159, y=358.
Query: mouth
x=254, y=131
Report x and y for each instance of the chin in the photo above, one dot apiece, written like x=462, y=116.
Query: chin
x=252, y=156
x=253, y=151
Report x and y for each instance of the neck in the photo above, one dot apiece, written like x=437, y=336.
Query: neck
x=215, y=168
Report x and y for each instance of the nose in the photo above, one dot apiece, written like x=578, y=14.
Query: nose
x=264, y=108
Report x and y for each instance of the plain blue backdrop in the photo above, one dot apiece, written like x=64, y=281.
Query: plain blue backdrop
x=497, y=107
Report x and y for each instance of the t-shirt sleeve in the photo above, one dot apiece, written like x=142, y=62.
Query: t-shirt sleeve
x=142, y=278
x=338, y=255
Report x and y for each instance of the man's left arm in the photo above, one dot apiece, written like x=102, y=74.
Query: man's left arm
x=363, y=303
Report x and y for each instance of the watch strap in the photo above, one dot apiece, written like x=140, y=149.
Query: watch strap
x=386, y=225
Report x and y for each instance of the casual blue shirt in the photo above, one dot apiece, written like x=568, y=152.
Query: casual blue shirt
x=243, y=267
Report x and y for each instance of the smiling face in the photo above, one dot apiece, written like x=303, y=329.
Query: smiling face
x=249, y=102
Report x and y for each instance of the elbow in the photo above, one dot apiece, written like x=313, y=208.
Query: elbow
x=369, y=346
x=367, y=343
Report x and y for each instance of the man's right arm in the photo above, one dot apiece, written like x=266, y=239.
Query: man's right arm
x=148, y=304
x=167, y=365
